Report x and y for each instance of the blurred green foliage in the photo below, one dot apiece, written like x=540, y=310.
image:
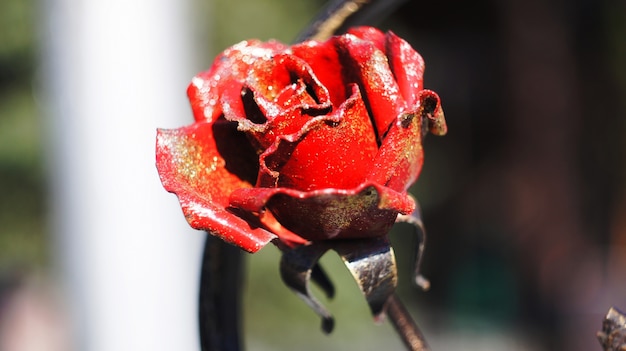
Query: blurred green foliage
x=22, y=240
x=16, y=28
x=234, y=21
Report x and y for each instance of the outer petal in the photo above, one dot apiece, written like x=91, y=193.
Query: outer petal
x=432, y=107
x=368, y=66
x=203, y=172
x=368, y=210
x=407, y=66
x=400, y=157
x=371, y=34
x=230, y=67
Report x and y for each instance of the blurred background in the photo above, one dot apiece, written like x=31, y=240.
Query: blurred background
x=524, y=199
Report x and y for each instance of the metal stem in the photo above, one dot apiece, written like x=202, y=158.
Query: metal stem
x=220, y=296
x=338, y=15
x=404, y=325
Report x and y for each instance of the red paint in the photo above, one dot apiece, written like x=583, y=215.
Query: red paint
x=315, y=141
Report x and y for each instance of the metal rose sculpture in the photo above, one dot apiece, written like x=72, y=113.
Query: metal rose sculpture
x=311, y=146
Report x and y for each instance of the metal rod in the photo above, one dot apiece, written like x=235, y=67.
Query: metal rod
x=405, y=326
x=330, y=19
x=220, y=296
x=338, y=15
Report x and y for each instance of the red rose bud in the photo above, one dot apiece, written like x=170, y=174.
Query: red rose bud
x=314, y=141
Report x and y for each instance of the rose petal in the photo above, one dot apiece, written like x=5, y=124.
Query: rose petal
x=368, y=210
x=324, y=61
x=232, y=65
x=434, y=112
x=400, y=157
x=280, y=103
x=329, y=151
x=407, y=66
x=192, y=165
x=370, y=34
x=368, y=66
x=269, y=78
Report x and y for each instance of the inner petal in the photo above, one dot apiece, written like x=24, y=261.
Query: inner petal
x=334, y=152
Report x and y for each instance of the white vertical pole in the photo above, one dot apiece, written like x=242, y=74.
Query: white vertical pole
x=114, y=71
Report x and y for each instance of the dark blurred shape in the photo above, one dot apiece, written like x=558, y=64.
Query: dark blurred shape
x=220, y=296
x=524, y=198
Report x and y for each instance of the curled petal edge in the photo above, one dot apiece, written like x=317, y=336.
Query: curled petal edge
x=344, y=208
x=224, y=224
x=431, y=107
x=254, y=199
